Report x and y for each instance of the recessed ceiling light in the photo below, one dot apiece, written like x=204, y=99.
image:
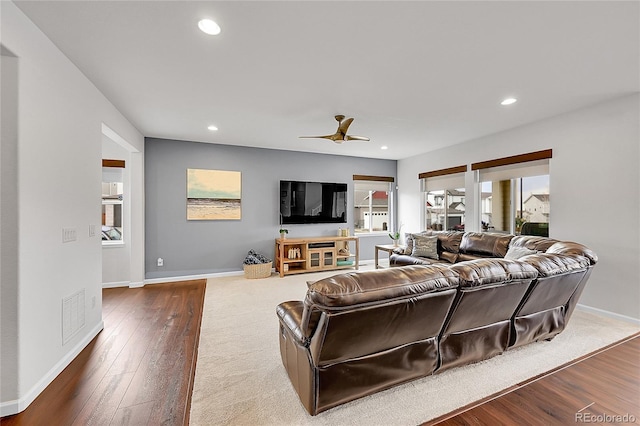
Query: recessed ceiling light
x=209, y=27
x=509, y=101
x=384, y=147
x=212, y=128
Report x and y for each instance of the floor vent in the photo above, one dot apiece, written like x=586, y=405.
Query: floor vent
x=72, y=315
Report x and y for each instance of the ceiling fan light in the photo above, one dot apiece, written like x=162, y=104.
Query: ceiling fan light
x=209, y=26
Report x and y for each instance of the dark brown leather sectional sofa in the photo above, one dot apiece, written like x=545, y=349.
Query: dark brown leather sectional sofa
x=361, y=332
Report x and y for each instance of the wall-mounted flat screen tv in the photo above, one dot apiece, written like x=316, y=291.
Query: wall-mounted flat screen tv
x=312, y=202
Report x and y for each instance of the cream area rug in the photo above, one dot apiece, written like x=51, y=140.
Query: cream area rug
x=240, y=379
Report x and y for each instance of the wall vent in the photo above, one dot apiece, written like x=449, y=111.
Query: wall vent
x=72, y=315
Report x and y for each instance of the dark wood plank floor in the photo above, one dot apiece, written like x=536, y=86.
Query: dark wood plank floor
x=139, y=370
x=601, y=388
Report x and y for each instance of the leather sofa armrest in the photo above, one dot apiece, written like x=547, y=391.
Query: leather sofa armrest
x=569, y=248
x=291, y=315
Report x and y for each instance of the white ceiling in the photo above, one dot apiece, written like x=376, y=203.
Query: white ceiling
x=416, y=76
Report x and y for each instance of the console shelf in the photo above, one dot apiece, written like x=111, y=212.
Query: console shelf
x=312, y=254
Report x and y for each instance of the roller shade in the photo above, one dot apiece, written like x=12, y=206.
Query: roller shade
x=436, y=183
x=514, y=171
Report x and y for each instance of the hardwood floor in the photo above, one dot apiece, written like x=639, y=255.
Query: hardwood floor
x=139, y=370
x=600, y=388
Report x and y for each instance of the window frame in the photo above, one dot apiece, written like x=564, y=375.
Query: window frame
x=110, y=167
x=374, y=181
x=512, y=169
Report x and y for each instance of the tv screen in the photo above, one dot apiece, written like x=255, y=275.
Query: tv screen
x=312, y=202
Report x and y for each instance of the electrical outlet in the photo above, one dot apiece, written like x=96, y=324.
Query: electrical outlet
x=160, y=261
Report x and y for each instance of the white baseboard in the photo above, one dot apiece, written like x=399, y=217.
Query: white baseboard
x=368, y=262
x=191, y=277
x=16, y=406
x=631, y=320
x=116, y=284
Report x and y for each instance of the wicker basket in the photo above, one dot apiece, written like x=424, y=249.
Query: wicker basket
x=260, y=270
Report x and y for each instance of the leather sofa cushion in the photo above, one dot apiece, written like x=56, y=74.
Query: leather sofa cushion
x=449, y=241
x=405, y=259
x=485, y=243
x=549, y=264
x=531, y=242
x=480, y=272
x=567, y=247
x=383, y=284
x=448, y=256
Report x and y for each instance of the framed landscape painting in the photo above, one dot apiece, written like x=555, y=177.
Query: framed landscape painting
x=214, y=195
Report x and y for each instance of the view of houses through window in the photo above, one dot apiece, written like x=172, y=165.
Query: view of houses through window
x=444, y=209
x=519, y=206
x=372, y=206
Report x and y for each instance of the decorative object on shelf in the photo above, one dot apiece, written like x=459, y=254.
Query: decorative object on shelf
x=257, y=265
x=283, y=233
x=294, y=253
x=214, y=195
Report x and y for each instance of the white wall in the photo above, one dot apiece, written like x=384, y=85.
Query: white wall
x=594, y=186
x=9, y=225
x=60, y=118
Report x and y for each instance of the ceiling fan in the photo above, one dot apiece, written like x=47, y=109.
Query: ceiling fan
x=341, y=135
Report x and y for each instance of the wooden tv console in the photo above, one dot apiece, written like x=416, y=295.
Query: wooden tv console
x=313, y=254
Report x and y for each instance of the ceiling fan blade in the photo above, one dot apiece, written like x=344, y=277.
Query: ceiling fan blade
x=357, y=138
x=344, y=125
x=318, y=137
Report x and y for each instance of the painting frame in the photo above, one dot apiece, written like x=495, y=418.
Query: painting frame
x=214, y=194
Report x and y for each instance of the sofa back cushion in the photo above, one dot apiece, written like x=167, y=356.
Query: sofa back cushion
x=369, y=312
x=485, y=244
x=357, y=288
x=539, y=244
x=570, y=248
x=490, y=291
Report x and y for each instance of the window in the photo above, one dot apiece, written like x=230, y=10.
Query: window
x=444, y=199
x=515, y=195
x=444, y=209
x=112, y=199
x=373, y=204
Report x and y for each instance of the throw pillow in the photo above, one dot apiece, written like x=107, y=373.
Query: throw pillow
x=515, y=253
x=425, y=246
x=408, y=241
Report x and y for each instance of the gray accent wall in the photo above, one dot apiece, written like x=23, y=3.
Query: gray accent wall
x=215, y=246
